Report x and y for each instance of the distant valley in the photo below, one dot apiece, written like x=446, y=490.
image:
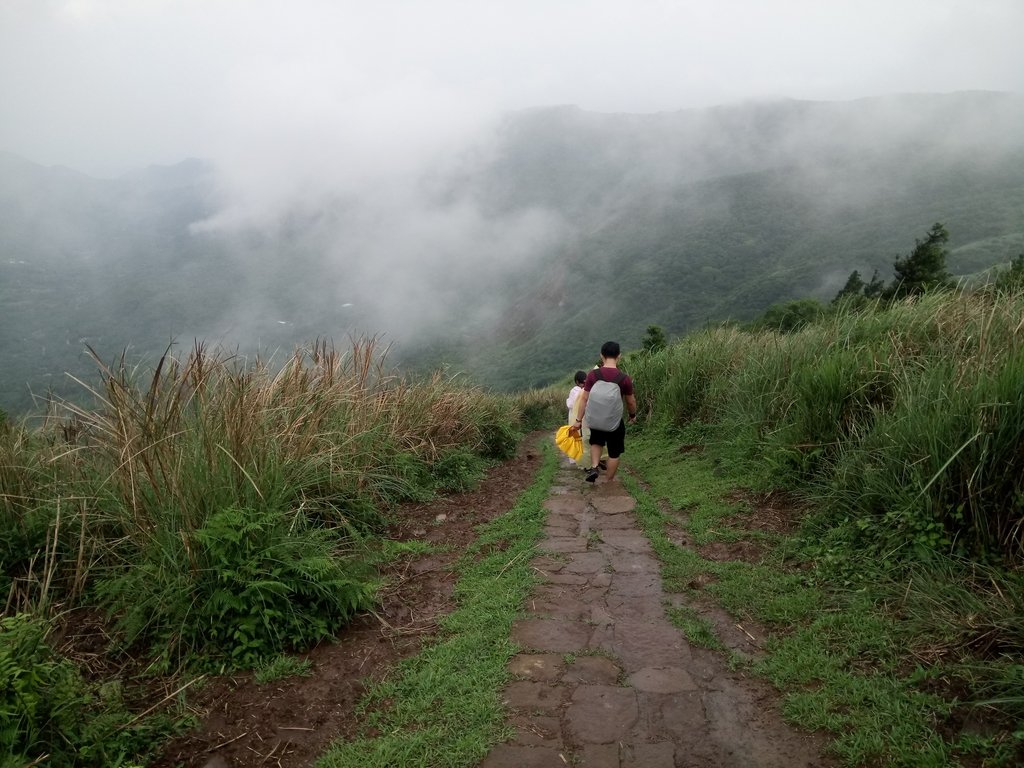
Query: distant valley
x=514, y=261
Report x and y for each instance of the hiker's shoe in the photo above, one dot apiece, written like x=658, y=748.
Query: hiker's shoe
x=602, y=464
x=592, y=476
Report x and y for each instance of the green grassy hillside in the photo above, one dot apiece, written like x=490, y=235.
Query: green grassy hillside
x=895, y=607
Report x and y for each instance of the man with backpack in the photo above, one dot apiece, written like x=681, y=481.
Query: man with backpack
x=600, y=403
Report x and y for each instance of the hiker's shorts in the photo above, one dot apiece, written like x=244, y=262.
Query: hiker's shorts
x=615, y=440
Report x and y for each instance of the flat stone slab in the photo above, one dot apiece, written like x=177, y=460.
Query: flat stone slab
x=563, y=521
x=601, y=714
x=613, y=505
x=552, y=635
x=632, y=608
x=548, y=564
x=558, y=490
x=559, y=607
x=539, y=667
x=537, y=730
x=660, y=755
x=592, y=670
x=613, y=523
x=602, y=579
x=592, y=594
x=636, y=585
x=566, y=505
x=603, y=639
x=514, y=756
x=662, y=680
x=649, y=645
x=679, y=715
x=599, y=615
x=569, y=544
x=599, y=756
x=613, y=489
x=526, y=694
x=569, y=579
x=635, y=562
x=629, y=540
x=586, y=562
x=544, y=591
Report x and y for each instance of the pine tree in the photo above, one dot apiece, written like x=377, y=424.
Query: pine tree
x=924, y=269
x=655, y=339
x=875, y=287
x=854, y=287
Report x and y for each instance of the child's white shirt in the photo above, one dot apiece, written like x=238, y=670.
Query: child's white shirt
x=570, y=401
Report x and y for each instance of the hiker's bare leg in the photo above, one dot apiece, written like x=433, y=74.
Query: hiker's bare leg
x=613, y=465
x=595, y=455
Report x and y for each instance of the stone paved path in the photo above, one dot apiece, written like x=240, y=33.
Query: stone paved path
x=604, y=680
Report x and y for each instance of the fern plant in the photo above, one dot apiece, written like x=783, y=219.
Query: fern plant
x=245, y=586
x=39, y=694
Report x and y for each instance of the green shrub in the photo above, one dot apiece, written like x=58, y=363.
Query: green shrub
x=457, y=470
x=791, y=315
x=23, y=539
x=245, y=586
x=495, y=425
x=48, y=712
x=42, y=697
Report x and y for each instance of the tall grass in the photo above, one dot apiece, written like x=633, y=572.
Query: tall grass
x=219, y=511
x=906, y=423
x=903, y=425
x=40, y=519
x=217, y=506
x=543, y=408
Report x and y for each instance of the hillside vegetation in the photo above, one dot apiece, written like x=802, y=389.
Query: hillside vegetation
x=899, y=605
x=218, y=514
x=213, y=510
x=908, y=421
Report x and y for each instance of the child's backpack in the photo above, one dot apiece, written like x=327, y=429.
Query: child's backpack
x=604, y=405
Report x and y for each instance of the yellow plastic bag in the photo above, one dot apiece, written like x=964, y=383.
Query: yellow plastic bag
x=569, y=443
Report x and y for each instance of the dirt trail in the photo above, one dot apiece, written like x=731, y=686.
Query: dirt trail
x=288, y=723
x=606, y=681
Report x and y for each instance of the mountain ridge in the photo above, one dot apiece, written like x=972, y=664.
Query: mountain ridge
x=609, y=222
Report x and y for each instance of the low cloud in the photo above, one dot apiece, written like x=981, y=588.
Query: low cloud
x=368, y=189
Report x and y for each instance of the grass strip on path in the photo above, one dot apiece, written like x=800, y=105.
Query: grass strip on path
x=442, y=707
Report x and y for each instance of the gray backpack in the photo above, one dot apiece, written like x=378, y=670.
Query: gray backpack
x=604, y=405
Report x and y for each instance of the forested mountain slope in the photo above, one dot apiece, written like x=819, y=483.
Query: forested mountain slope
x=676, y=219
x=694, y=217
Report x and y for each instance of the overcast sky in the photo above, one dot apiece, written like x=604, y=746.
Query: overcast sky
x=108, y=85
